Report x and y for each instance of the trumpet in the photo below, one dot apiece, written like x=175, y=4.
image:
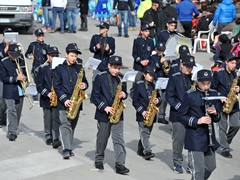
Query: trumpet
x=166, y=66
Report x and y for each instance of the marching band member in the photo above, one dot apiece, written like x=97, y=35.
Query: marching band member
x=222, y=82
x=37, y=51
x=158, y=61
x=103, y=96
x=141, y=96
x=103, y=46
x=178, y=84
x=12, y=88
x=170, y=31
x=3, y=53
x=141, y=52
x=44, y=83
x=198, y=117
x=64, y=82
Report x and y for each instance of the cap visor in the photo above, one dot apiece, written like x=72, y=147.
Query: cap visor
x=205, y=79
x=15, y=54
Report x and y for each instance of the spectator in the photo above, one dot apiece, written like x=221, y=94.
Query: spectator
x=131, y=18
x=46, y=4
x=143, y=6
x=101, y=10
x=170, y=11
x=185, y=10
x=123, y=13
x=58, y=7
x=83, y=16
x=235, y=31
x=155, y=18
x=225, y=14
x=72, y=10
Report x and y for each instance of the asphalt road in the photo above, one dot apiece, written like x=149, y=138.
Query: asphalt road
x=30, y=158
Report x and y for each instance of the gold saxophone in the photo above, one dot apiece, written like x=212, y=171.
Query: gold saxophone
x=151, y=109
x=118, y=106
x=53, y=101
x=166, y=66
x=77, y=97
x=232, y=97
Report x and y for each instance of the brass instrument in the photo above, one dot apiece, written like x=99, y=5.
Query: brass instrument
x=118, y=105
x=77, y=97
x=166, y=66
x=53, y=101
x=151, y=109
x=24, y=84
x=209, y=125
x=193, y=86
x=232, y=97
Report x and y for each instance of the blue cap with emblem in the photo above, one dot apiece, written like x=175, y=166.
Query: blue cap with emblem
x=171, y=20
x=53, y=50
x=149, y=69
x=115, y=60
x=204, y=75
x=231, y=56
x=13, y=50
x=103, y=25
x=183, y=49
x=7, y=29
x=72, y=47
x=188, y=60
x=145, y=26
x=38, y=32
x=160, y=47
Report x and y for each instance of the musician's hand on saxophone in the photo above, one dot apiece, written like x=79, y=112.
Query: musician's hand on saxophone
x=236, y=89
x=145, y=114
x=122, y=95
x=51, y=95
x=204, y=120
x=82, y=86
x=110, y=110
x=144, y=62
x=68, y=103
x=224, y=100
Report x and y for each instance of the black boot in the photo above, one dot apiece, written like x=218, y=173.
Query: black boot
x=85, y=27
x=82, y=27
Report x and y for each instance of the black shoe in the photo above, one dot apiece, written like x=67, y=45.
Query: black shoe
x=66, y=154
x=99, y=165
x=149, y=155
x=162, y=120
x=49, y=142
x=226, y=154
x=12, y=137
x=126, y=35
x=56, y=143
x=119, y=35
x=140, y=153
x=121, y=169
x=74, y=32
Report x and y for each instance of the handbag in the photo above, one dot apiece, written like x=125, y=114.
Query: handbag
x=117, y=20
x=180, y=28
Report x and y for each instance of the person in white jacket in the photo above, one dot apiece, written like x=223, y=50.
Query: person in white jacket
x=58, y=7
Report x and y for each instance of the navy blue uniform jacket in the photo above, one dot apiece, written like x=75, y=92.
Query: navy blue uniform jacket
x=44, y=84
x=141, y=99
x=2, y=53
x=220, y=84
x=142, y=49
x=64, y=81
x=104, y=55
x=193, y=108
x=174, y=94
x=39, y=50
x=9, y=78
x=101, y=96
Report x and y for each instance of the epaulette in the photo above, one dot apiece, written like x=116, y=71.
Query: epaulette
x=44, y=64
x=163, y=30
x=4, y=58
x=191, y=90
x=104, y=72
x=138, y=37
x=149, y=38
x=176, y=74
x=222, y=69
x=153, y=53
x=213, y=90
x=141, y=81
x=173, y=65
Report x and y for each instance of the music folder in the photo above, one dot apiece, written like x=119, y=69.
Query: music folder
x=92, y=63
x=11, y=37
x=161, y=83
x=31, y=90
x=129, y=76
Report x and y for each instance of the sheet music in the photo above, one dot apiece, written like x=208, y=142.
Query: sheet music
x=11, y=37
x=92, y=63
x=56, y=61
x=161, y=83
x=31, y=89
x=196, y=68
x=129, y=76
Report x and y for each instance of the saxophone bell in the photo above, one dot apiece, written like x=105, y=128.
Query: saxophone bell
x=166, y=66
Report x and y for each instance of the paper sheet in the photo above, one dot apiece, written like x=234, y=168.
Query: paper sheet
x=129, y=76
x=92, y=63
x=11, y=37
x=56, y=61
x=161, y=83
x=31, y=89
